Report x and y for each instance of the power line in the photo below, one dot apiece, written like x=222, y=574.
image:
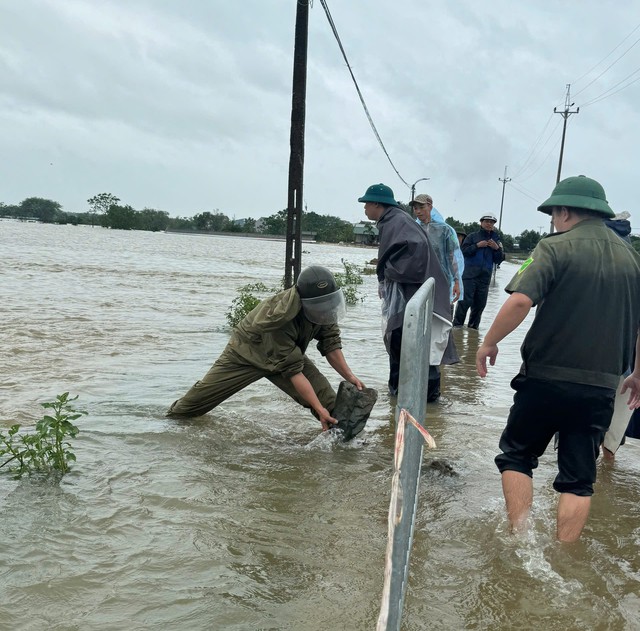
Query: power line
x=606, y=56
x=517, y=188
x=613, y=63
x=543, y=161
x=604, y=95
x=525, y=164
x=364, y=105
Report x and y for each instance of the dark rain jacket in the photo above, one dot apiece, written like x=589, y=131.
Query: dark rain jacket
x=621, y=227
x=275, y=335
x=406, y=257
x=480, y=261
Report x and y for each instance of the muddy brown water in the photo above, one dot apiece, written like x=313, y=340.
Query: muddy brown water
x=249, y=518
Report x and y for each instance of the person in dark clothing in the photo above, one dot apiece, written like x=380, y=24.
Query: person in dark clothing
x=482, y=250
x=405, y=261
x=583, y=281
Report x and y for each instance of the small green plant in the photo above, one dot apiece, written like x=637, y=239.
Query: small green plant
x=47, y=449
x=246, y=301
x=349, y=281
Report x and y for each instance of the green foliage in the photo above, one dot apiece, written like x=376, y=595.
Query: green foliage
x=246, y=301
x=102, y=202
x=349, y=281
x=275, y=224
x=635, y=242
x=213, y=222
x=327, y=228
x=120, y=217
x=47, y=450
x=467, y=228
x=152, y=219
x=43, y=209
x=528, y=240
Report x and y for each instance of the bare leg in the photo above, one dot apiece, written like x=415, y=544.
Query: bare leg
x=518, y=495
x=607, y=455
x=573, y=511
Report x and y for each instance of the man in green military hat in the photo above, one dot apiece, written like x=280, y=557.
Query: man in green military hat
x=405, y=260
x=584, y=280
x=271, y=341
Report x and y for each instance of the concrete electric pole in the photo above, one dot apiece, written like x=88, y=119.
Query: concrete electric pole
x=504, y=181
x=565, y=115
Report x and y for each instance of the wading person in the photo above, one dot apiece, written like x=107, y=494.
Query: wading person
x=482, y=250
x=584, y=281
x=444, y=243
x=405, y=261
x=270, y=342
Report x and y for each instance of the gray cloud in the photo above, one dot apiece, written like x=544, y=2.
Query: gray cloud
x=186, y=105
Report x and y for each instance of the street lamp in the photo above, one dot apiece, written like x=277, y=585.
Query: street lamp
x=413, y=186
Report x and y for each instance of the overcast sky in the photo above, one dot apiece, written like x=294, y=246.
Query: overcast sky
x=185, y=105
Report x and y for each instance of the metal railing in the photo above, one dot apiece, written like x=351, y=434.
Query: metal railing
x=412, y=396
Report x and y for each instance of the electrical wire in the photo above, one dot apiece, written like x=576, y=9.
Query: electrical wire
x=522, y=192
x=364, y=105
x=546, y=142
x=604, y=95
x=544, y=161
x=613, y=63
x=606, y=56
x=520, y=169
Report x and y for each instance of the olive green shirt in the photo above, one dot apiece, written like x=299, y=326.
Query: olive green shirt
x=275, y=335
x=585, y=283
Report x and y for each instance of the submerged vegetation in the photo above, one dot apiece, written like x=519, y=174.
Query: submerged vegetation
x=47, y=450
x=250, y=295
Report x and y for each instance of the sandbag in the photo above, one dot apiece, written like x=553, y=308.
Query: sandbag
x=352, y=408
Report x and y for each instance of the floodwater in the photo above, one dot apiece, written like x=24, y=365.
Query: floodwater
x=249, y=518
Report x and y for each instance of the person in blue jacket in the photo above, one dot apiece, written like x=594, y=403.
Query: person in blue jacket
x=481, y=250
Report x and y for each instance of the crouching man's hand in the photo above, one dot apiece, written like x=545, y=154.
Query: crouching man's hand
x=325, y=419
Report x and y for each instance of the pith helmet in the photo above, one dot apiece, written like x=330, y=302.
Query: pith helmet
x=578, y=192
x=380, y=194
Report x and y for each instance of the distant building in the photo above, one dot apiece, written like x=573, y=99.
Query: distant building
x=365, y=233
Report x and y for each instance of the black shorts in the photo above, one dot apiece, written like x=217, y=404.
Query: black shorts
x=580, y=414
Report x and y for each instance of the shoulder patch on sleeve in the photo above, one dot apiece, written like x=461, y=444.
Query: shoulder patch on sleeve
x=525, y=265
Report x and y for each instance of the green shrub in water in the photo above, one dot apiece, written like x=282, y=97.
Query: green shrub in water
x=349, y=281
x=247, y=300
x=47, y=449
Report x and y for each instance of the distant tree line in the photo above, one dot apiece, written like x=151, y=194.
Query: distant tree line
x=106, y=210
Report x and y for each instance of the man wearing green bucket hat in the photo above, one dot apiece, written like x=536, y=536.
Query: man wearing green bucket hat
x=405, y=260
x=585, y=283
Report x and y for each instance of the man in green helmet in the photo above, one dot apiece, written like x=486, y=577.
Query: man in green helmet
x=585, y=282
x=271, y=341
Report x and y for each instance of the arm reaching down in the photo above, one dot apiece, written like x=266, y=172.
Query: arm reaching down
x=339, y=364
x=305, y=390
x=510, y=316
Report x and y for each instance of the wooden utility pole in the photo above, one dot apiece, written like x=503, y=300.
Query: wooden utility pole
x=296, y=161
x=565, y=114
